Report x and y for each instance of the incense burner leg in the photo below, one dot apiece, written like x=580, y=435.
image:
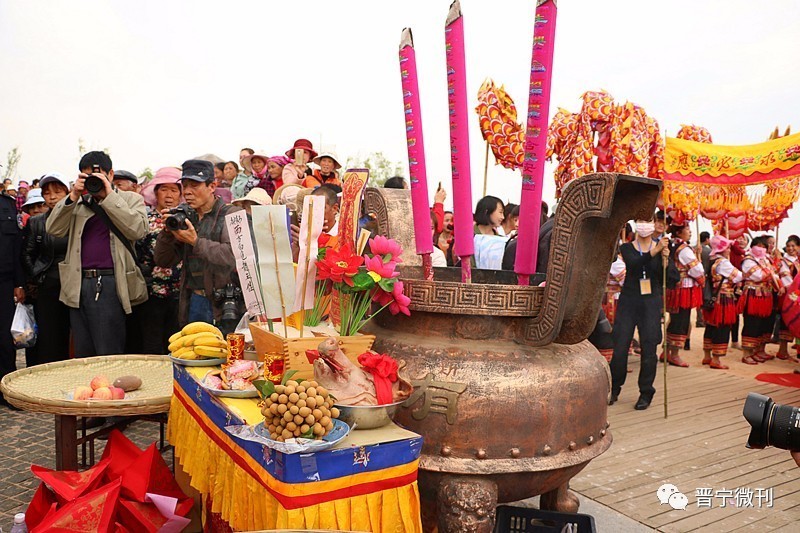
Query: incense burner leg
x=466, y=505
x=560, y=499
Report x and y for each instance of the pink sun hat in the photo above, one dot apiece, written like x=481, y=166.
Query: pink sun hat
x=719, y=244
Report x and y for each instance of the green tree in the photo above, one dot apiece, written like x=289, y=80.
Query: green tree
x=148, y=172
x=12, y=161
x=380, y=167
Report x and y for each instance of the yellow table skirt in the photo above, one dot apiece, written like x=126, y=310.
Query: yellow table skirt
x=245, y=504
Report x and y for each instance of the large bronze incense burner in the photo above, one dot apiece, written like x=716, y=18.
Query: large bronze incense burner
x=509, y=396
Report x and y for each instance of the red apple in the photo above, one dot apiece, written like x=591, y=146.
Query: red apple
x=82, y=393
x=117, y=393
x=100, y=381
x=103, y=393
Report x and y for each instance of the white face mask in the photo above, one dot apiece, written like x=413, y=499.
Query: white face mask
x=645, y=229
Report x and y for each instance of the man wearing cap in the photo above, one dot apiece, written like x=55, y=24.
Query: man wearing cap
x=100, y=280
x=203, y=246
x=326, y=173
x=11, y=280
x=125, y=181
x=41, y=255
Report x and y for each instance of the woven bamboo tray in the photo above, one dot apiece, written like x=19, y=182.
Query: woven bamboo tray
x=43, y=388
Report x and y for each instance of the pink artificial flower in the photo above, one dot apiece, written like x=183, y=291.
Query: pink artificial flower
x=398, y=302
x=380, y=245
x=376, y=264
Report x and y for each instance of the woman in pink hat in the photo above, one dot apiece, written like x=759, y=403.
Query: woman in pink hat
x=723, y=277
x=302, y=152
x=787, y=270
x=157, y=318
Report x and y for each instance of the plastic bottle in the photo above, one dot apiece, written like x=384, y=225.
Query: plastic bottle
x=19, y=524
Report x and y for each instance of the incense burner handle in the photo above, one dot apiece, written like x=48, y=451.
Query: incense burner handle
x=590, y=214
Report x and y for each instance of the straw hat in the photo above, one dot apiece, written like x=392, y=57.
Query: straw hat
x=257, y=195
x=286, y=193
x=301, y=197
x=260, y=155
x=330, y=155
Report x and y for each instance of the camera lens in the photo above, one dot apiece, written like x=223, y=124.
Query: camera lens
x=176, y=221
x=772, y=424
x=93, y=184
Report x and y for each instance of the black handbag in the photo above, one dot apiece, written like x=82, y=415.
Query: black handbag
x=710, y=296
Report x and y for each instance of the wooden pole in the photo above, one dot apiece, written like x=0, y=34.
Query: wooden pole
x=664, y=328
x=310, y=223
x=485, y=168
x=277, y=276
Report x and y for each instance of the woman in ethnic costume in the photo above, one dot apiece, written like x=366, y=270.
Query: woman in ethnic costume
x=756, y=303
x=787, y=270
x=723, y=277
x=687, y=295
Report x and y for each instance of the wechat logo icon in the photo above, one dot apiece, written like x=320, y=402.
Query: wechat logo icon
x=669, y=494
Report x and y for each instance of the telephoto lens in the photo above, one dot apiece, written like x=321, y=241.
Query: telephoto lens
x=773, y=424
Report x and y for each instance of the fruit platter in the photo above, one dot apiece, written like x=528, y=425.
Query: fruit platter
x=198, y=344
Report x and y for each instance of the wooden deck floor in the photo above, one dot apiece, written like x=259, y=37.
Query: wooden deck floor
x=700, y=445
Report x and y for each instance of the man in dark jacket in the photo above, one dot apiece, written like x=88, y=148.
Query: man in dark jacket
x=11, y=281
x=203, y=246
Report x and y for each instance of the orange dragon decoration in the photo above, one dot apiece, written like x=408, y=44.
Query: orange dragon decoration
x=603, y=137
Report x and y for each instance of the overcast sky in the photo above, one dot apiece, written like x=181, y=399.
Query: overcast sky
x=159, y=82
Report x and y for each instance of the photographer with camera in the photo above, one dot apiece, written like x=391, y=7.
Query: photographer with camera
x=100, y=278
x=195, y=233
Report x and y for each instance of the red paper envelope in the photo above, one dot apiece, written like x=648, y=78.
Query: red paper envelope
x=69, y=484
x=149, y=473
x=91, y=513
x=121, y=452
x=43, y=500
x=143, y=517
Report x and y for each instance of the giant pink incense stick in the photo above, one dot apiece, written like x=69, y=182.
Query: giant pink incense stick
x=459, y=138
x=530, y=208
x=416, y=152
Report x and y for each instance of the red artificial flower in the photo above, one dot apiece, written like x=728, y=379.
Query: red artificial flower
x=385, y=270
x=323, y=239
x=339, y=265
x=380, y=245
x=398, y=302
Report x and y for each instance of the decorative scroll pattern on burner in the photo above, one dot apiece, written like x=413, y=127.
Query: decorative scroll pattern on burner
x=590, y=196
x=474, y=299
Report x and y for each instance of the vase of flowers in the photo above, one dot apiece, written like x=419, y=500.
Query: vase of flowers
x=367, y=283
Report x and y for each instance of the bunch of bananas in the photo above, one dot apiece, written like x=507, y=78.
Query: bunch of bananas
x=198, y=340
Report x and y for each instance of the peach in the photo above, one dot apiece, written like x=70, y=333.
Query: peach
x=100, y=381
x=117, y=393
x=103, y=393
x=82, y=393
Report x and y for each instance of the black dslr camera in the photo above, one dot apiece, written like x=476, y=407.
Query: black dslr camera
x=93, y=184
x=773, y=424
x=228, y=297
x=180, y=215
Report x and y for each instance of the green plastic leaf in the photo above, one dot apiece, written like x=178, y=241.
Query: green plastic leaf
x=308, y=434
x=265, y=388
x=322, y=253
x=363, y=281
x=300, y=380
x=287, y=376
x=387, y=284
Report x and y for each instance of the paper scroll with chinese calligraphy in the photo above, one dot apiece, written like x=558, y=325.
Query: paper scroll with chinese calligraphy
x=274, y=259
x=244, y=254
x=310, y=230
